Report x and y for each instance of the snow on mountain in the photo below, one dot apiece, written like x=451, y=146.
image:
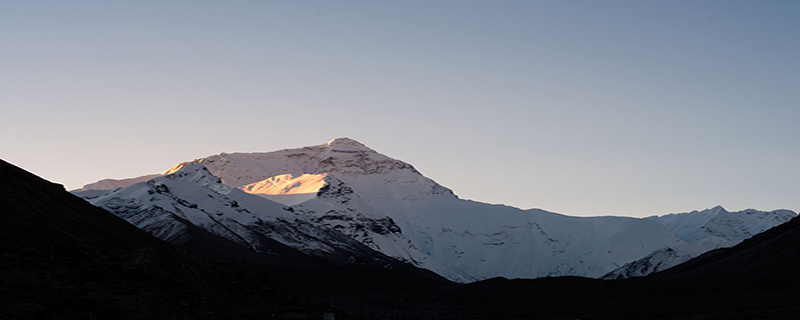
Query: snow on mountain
x=484, y=241
x=107, y=184
x=287, y=184
x=701, y=231
x=454, y=237
x=166, y=206
x=718, y=222
x=347, y=189
x=658, y=260
x=667, y=257
x=286, y=188
x=338, y=207
x=365, y=170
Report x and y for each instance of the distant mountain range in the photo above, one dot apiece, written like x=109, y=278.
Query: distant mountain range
x=343, y=203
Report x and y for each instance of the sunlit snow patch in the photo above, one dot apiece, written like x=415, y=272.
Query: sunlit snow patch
x=287, y=189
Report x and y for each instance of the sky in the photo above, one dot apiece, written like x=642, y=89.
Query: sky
x=586, y=108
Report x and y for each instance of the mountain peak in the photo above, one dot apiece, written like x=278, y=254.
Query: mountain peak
x=345, y=142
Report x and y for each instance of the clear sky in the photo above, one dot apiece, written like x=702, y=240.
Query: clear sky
x=631, y=108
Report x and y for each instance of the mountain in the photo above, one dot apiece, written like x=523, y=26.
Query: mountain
x=757, y=279
x=718, y=223
x=36, y=207
x=188, y=200
x=701, y=231
x=768, y=256
x=341, y=200
x=63, y=258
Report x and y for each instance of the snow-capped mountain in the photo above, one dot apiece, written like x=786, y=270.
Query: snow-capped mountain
x=108, y=184
x=701, y=231
x=344, y=189
x=719, y=223
x=471, y=239
x=167, y=206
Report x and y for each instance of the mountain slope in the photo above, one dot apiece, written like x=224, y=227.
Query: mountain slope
x=702, y=231
x=63, y=258
x=772, y=254
x=190, y=198
x=719, y=223
x=60, y=215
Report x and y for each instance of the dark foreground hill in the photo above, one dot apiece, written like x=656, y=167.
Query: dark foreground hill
x=63, y=258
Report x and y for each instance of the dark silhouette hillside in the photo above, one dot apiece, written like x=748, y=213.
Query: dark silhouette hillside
x=63, y=258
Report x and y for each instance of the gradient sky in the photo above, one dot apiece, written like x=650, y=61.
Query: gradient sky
x=631, y=108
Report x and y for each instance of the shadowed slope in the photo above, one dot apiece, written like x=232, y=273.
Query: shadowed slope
x=38, y=207
x=773, y=254
x=63, y=258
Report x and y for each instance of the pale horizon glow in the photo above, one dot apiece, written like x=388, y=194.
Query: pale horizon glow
x=583, y=108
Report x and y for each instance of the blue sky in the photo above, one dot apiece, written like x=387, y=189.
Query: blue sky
x=580, y=107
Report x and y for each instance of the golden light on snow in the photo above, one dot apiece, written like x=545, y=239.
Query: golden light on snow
x=175, y=168
x=287, y=184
